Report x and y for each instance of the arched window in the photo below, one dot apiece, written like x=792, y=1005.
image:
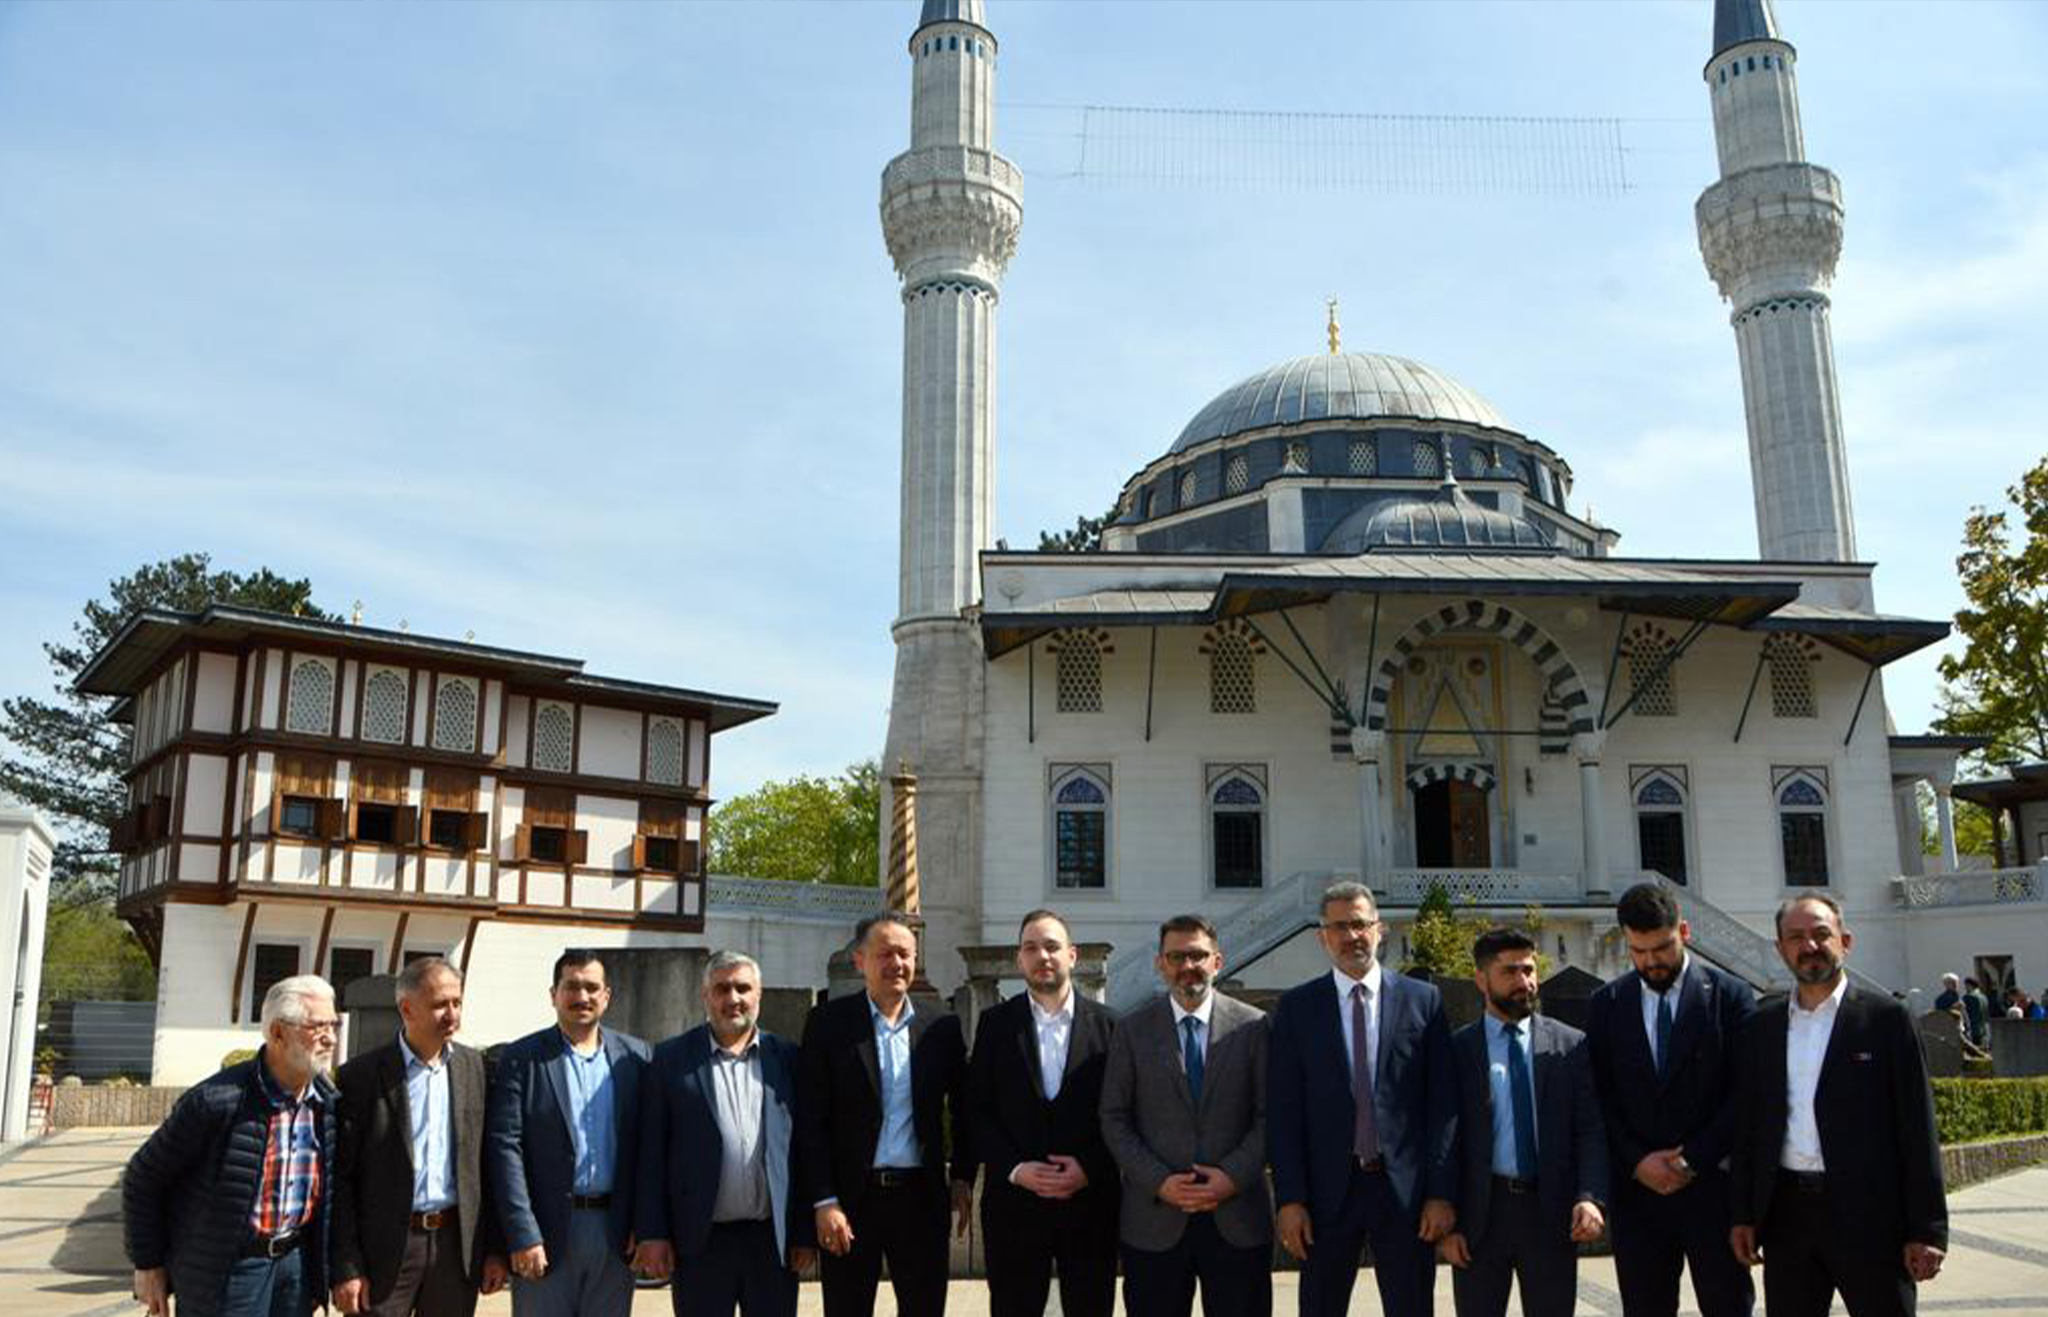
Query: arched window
x=1080, y=829
x=1077, y=658
x=384, y=699
x=1428, y=462
x=1660, y=822
x=1233, y=668
x=455, y=715
x=1791, y=659
x=1652, y=677
x=1296, y=462
x=1803, y=825
x=554, y=737
x=1237, y=474
x=1187, y=488
x=310, y=707
x=1475, y=461
x=1237, y=826
x=1363, y=459
x=665, y=751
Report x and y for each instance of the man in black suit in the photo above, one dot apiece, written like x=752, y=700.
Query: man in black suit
x=1034, y=1086
x=1662, y=1039
x=877, y=1080
x=412, y=1231
x=1836, y=1170
x=717, y=1208
x=1360, y=1103
x=560, y=1147
x=1531, y=1149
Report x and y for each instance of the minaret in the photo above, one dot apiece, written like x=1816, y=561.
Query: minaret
x=950, y=214
x=1770, y=231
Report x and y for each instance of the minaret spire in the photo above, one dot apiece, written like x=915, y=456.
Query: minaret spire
x=1771, y=231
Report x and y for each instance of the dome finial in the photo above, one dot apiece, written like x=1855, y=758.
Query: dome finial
x=1336, y=330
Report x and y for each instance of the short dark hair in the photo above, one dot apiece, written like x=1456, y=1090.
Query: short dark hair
x=896, y=917
x=1818, y=898
x=1187, y=924
x=577, y=958
x=1969, y=983
x=1036, y=915
x=1494, y=941
x=1647, y=908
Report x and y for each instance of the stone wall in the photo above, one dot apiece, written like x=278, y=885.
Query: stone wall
x=76, y=1105
x=2019, y=1048
x=1969, y=1163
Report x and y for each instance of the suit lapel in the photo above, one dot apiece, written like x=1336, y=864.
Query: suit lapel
x=1170, y=1049
x=1027, y=1045
x=556, y=1070
x=1842, y=1039
x=1635, y=1040
x=864, y=1047
x=1389, y=1008
x=400, y=1100
x=1693, y=1009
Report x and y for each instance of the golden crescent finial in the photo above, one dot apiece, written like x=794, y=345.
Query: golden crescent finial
x=1336, y=330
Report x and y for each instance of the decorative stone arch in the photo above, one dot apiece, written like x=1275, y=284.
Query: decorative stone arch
x=1559, y=678
x=1478, y=775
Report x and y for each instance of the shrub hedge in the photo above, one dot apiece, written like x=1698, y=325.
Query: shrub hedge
x=1968, y=1109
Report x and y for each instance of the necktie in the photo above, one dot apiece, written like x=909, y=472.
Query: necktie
x=1524, y=1105
x=1365, y=1133
x=1191, y=1057
x=1663, y=1034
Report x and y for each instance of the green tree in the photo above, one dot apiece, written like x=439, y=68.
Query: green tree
x=90, y=955
x=802, y=829
x=1085, y=537
x=1973, y=826
x=1440, y=941
x=1998, y=686
x=66, y=756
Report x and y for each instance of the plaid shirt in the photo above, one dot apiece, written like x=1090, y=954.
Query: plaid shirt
x=289, y=1191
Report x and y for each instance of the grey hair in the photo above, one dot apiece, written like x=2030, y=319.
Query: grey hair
x=1347, y=892
x=286, y=1001
x=722, y=961
x=413, y=975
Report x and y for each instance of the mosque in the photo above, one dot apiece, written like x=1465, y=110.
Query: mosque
x=1347, y=624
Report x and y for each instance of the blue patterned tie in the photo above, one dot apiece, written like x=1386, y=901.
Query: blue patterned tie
x=1524, y=1104
x=1191, y=1057
x=1663, y=1035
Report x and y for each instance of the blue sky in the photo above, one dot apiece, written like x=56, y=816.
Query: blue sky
x=571, y=324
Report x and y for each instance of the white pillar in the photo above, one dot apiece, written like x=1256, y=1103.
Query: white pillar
x=1367, y=748
x=1592, y=815
x=1945, y=817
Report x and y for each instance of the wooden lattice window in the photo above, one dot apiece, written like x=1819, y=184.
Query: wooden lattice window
x=309, y=705
x=455, y=704
x=554, y=736
x=1790, y=659
x=665, y=751
x=386, y=693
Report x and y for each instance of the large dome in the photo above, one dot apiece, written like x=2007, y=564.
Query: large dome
x=1338, y=386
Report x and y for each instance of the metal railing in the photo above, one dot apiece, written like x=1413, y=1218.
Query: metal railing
x=1481, y=886
x=1246, y=933
x=1980, y=887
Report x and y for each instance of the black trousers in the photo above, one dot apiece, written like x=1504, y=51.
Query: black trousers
x=738, y=1270
x=1403, y=1266
x=1025, y=1237
x=1236, y=1282
x=1518, y=1245
x=432, y=1280
x=906, y=1227
x=1807, y=1261
x=1656, y=1236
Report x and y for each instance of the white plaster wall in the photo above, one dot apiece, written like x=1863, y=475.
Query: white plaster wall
x=516, y=717
x=1944, y=941
x=350, y=674
x=196, y=978
x=612, y=824
x=206, y=784
x=213, y=703
x=25, y=849
x=270, y=699
x=608, y=743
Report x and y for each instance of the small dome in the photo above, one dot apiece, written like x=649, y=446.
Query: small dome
x=1451, y=520
x=1338, y=386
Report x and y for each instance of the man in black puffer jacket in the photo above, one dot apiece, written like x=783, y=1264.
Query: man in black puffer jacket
x=226, y=1204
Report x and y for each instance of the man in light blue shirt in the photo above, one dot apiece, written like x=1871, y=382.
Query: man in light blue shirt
x=896, y=1145
x=1502, y=1074
x=433, y=1154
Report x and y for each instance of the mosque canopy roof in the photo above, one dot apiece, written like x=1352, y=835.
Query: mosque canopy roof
x=1338, y=386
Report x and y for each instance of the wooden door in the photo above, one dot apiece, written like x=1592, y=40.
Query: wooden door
x=1470, y=845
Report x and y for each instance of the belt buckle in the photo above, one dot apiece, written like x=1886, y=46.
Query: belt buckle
x=431, y=1220
x=276, y=1246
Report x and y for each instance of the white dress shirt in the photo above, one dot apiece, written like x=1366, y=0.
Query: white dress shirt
x=1201, y=1015
x=1372, y=982
x=1055, y=1034
x=1806, y=1045
x=1651, y=997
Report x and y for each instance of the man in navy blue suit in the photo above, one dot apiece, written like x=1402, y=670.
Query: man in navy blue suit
x=715, y=1208
x=560, y=1141
x=1361, y=1107
x=1662, y=1039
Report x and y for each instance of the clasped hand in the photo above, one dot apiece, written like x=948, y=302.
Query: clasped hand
x=1058, y=1176
x=1201, y=1189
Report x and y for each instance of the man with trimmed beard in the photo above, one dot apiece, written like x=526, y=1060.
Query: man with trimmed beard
x=226, y=1205
x=1035, y=1085
x=1836, y=1170
x=1184, y=1114
x=1662, y=1039
x=1533, y=1154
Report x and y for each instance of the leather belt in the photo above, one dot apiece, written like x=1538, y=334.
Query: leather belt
x=580, y=1201
x=1514, y=1184
x=434, y=1220
x=1805, y=1182
x=895, y=1177
x=273, y=1246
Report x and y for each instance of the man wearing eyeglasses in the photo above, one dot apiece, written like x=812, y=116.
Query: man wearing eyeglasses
x=227, y=1204
x=1361, y=1108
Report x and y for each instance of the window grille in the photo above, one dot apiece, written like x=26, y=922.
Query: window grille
x=384, y=701
x=1802, y=830
x=455, y=715
x=310, y=709
x=1233, y=675
x=1660, y=826
x=1363, y=458
x=1237, y=817
x=1078, y=671
x=1428, y=462
x=1187, y=489
x=1236, y=475
x=665, y=751
x=1791, y=660
x=554, y=732
x=1080, y=825
x=1652, y=673
x=1475, y=462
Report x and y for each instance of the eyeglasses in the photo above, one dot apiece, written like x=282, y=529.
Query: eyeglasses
x=317, y=1027
x=1190, y=957
x=1351, y=926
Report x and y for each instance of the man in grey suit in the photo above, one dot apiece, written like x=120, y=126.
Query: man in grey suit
x=1532, y=1149
x=1184, y=1114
